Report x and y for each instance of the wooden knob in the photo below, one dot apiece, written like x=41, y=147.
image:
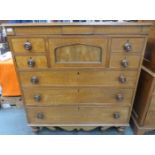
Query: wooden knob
x=37, y=98
x=116, y=115
x=125, y=63
x=127, y=47
x=122, y=79
x=31, y=62
x=119, y=97
x=78, y=73
x=40, y=115
x=27, y=45
x=34, y=80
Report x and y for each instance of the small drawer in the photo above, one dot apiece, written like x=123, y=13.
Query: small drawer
x=120, y=60
x=127, y=45
x=57, y=115
x=79, y=78
x=73, y=96
x=31, y=62
x=28, y=45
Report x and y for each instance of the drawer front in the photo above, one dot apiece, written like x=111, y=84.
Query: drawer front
x=150, y=119
x=119, y=60
x=153, y=93
x=31, y=62
x=79, y=78
x=77, y=96
x=152, y=105
x=28, y=45
x=75, y=115
x=127, y=45
x=78, y=51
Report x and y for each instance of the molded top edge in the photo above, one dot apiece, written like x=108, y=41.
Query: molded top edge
x=79, y=24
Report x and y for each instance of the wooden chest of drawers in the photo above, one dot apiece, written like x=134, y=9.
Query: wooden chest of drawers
x=78, y=74
x=143, y=116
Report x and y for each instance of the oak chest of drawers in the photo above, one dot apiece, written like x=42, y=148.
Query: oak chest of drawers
x=143, y=116
x=78, y=74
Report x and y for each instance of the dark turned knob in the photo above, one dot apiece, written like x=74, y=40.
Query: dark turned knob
x=27, y=45
x=116, y=115
x=40, y=115
x=125, y=63
x=119, y=97
x=34, y=80
x=122, y=79
x=31, y=62
x=37, y=98
x=127, y=47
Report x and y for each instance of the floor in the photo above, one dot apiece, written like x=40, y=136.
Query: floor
x=13, y=122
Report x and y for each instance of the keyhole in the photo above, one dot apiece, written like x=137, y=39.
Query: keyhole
x=78, y=73
x=78, y=108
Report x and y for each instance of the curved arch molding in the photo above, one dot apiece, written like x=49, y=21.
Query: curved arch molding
x=78, y=53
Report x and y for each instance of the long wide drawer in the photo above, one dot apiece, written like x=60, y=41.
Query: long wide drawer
x=75, y=115
x=77, y=96
x=79, y=78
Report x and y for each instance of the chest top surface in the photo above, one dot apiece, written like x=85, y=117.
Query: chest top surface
x=78, y=28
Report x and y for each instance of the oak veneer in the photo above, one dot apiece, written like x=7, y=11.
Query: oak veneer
x=143, y=116
x=85, y=83
x=78, y=96
x=31, y=62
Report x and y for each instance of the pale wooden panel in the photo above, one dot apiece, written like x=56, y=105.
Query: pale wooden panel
x=78, y=54
x=150, y=119
x=10, y=31
x=77, y=30
x=74, y=96
x=89, y=51
x=152, y=104
x=116, y=59
x=81, y=30
x=40, y=62
x=37, y=30
x=153, y=92
x=38, y=44
x=121, y=30
x=79, y=78
x=74, y=115
x=136, y=43
x=141, y=101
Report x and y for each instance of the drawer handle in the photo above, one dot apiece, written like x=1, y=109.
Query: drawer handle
x=122, y=79
x=40, y=115
x=37, y=98
x=127, y=47
x=34, y=80
x=116, y=115
x=119, y=97
x=27, y=45
x=125, y=63
x=31, y=62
